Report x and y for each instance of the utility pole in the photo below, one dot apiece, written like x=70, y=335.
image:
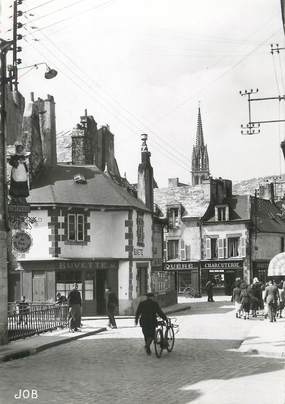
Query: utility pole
x=5, y=46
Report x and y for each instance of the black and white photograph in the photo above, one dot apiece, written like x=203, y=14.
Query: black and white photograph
x=142, y=201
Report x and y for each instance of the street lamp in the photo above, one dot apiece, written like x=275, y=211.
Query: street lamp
x=49, y=74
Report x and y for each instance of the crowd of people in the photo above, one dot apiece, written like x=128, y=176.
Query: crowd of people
x=267, y=299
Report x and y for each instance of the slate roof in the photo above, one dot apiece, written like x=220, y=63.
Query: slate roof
x=239, y=209
x=194, y=199
x=57, y=186
x=266, y=216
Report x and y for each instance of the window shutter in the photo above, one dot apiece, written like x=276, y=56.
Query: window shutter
x=188, y=252
x=182, y=250
x=220, y=248
x=164, y=251
x=208, y=248
x=242, y=248
x=225, y=248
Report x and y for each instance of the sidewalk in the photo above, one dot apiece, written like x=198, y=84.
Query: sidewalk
x=32, y=345
x=266, y=339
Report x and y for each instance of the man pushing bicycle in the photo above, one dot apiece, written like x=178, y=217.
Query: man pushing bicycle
x=147, y=313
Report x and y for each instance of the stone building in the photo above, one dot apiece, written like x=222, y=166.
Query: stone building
x=89, y=225
x=214, y=234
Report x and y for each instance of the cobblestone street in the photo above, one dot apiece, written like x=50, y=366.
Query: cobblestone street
x=204, y=367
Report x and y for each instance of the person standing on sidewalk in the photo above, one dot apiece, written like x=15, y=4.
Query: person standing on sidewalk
x=111, y=306
x=147, y=313
x=74, y=304
x=237, y=300
x=209, y=289
x=271, y=299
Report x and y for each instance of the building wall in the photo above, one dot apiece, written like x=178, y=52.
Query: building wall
x=267, y=245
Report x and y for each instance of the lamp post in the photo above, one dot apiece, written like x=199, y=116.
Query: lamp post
x=49, y=74
x=5, y=46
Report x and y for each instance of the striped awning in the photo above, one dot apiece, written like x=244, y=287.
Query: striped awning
x=277, y=265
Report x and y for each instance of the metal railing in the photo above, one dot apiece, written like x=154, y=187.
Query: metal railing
x=27, y=319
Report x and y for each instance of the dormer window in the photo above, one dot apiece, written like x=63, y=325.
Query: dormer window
x=221, y=213
x=174, y=216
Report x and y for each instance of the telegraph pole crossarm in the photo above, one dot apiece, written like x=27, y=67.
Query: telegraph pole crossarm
x=251, y=127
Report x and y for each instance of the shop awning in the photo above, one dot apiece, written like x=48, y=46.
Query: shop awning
x=277, y=265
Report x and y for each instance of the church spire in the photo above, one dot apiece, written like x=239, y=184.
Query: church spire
x=200, y=159
x=199, y=133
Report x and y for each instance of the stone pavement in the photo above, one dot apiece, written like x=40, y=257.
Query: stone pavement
x=37, y=343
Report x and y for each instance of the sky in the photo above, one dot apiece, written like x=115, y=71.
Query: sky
x=144, y=66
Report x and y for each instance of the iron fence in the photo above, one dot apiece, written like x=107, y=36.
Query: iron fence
x=26, y=319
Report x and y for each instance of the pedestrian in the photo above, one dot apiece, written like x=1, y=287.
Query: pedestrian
x=74, y=304
x=111, y=305
x=281, y=305
x=146, y=314
x=271, y=298
x=255, y=294
x=23, y=308
x=237, y=299
x=209, y=289
x=60, y=299
x=245, y=300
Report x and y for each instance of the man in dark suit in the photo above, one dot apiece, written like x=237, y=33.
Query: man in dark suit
x=74, y=304
x=271, y=299
x=147, y=313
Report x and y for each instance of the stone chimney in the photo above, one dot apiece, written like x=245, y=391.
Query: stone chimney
x=173, y=182
x=221, y=191
x=145, y=176
x=84, y=141
x=266, y=191
x=48, y=130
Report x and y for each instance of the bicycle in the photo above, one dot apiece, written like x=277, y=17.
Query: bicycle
x=164, y=336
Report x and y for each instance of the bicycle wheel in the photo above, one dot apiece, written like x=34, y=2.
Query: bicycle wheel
x=158, y=341
x=169, y=337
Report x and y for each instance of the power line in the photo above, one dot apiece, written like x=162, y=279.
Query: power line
x=130, y=125
x=173, y=150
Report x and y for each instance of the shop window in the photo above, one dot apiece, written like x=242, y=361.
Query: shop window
x=140, y=230
x=89, y=289
x=233, y=247
x=76, y=227
x=172, y=249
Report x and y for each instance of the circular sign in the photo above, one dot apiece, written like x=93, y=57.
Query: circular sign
x=22, y=241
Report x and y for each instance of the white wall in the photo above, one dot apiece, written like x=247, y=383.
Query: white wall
x=39, y=234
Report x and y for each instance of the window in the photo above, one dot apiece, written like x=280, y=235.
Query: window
x=172, y=248
x=211, y=247
x=75, y=227
x=173, y=218
x=282, y=244
x=140, y=229
x=221, y=213
x=233, y=246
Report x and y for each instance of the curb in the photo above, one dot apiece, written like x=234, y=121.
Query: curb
x=131, y=317
x=32, y=351
x=254, y=351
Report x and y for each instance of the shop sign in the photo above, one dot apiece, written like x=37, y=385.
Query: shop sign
x=21, y=241
x=180, y=266
x=221, y=265
x=260, y=265
x=62, y=265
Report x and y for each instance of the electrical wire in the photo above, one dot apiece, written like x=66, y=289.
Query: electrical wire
x=75, y=16
x=56, y=11
x=160, y=148
x=40, y=5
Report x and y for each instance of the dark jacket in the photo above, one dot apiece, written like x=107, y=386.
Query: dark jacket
x=74, y=297
x=147, y=312
x=271, y=294
x=112, y=300
x=236, y=295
